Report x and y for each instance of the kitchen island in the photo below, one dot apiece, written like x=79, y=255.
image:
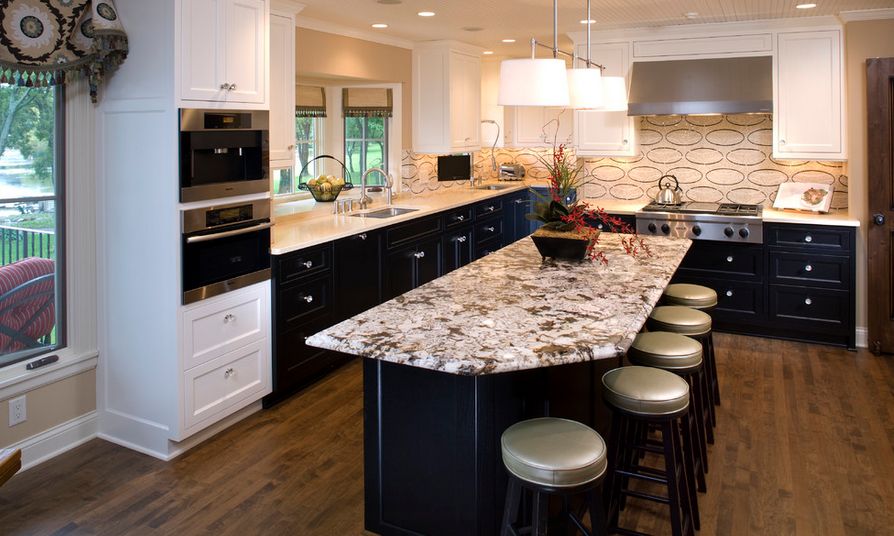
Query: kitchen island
x=451, y=364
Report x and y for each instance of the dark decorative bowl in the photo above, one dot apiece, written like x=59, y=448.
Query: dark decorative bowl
x=557, y=247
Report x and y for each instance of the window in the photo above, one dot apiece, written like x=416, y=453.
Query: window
x=308, y=132
x=31, y=219
x=366, y=146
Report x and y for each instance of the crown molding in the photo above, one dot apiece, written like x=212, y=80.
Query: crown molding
x=287, y=6
x=866, y=14
x=345, y=31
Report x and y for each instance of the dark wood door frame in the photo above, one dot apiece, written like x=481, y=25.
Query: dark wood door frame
x=880, y=245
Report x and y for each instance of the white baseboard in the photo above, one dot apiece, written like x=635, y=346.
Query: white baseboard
x=58, y=439
x=862, y=338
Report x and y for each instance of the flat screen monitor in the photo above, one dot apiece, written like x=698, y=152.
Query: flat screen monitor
x=455, y=167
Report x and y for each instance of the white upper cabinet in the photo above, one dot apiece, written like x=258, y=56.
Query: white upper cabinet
x=282, y=87
x=537, y=126
x=808, y=116
x=224, y=52
x=446, y=98
x=606, y=133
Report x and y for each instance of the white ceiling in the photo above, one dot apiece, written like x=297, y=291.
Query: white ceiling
x=523, y=19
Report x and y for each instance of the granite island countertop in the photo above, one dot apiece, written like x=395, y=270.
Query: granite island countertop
x=514, y=311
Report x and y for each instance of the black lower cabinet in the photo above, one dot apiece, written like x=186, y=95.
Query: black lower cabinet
x=458, y=249
x=515, y=223
x=357, y=268
x=409, y=267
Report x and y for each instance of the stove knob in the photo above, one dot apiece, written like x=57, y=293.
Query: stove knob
x=652, y=228
x=666, y=229
x=697, y=231
x=743, y=232
x=728, y=231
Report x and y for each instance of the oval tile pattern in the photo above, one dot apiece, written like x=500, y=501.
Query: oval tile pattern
x=750, y=196
x=626, y=191
x=684, y=136
x=686, y=175
x=746, y=157
x=664, y=120
x=704, y=156
x=704, y=120
x=704, y=194
x=725, y=137
x=762, y=137
x=644, y=174
x=814, y=175
x=748, y=120
x=725, y=176
x=608, y=173
x=664, y=155
x=647, y=136
x=767, y=177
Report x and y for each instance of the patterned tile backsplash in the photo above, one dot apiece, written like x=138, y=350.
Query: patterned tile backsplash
x=715, y=158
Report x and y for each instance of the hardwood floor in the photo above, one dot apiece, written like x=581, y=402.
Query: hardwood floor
x=805, y=445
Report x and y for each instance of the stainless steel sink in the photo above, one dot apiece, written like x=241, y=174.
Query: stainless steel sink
x=387, y=212
x=495, y=187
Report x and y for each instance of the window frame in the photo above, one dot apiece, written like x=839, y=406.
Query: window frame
x=318, y=133
x=364, y=140
x=60, y=274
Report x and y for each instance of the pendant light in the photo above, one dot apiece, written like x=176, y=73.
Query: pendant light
x=614, y=93
x=585, y=85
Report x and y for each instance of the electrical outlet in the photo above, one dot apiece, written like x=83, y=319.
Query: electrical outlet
x=17, y=411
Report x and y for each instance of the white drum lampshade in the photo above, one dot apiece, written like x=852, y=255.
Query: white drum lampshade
x=533, y=82
x=585, y=89
x=614, y=94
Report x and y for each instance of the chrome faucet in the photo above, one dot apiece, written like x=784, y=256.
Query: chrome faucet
x=389, y=183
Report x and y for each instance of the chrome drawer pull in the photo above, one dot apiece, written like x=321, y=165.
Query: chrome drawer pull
x=308, y=264
x=362, y=236
x=808, y=301
x=419, y=255
x=489, y=208
x=460, y=218
x=729, y=293
x=808, y=268
x=460, y=239
x=519, y=201
x=729, y=259
x=490, y=229
x=229, y=318
x=308, y=299
x=229, y=372
x=808, y=239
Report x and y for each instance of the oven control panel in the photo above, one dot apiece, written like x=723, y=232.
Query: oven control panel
x=749, y=231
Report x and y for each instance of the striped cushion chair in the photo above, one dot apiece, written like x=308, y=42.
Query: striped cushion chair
x=27, y=303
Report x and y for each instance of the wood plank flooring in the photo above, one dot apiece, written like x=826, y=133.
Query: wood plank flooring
x=805, y=445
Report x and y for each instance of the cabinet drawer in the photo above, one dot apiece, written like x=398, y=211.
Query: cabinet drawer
x=823, y=309
x=301, y=302
x=226, y=384
x=221, y=325
x=810, y=269
x=724, y=260
x=487, y=247
x=487, y=208
x=457, y=217
x=488, y=230
x=812, y=237
x=304, y=263
x=405, y=233
x=736, y=300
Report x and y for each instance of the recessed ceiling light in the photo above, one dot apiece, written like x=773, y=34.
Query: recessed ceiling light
x=426, y=13
x=379, y=25
x=488, y=52
x=590, y=21
x=509, y=40
x=472, y=28
x=805, y=6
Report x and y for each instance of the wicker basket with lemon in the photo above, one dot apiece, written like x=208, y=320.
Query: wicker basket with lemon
x=325, y=187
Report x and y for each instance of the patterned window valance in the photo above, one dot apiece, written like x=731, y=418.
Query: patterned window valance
x=310, y=101
x=44, y=41
x=367, y=102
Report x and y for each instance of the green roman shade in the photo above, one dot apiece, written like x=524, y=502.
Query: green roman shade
x=367, y=102
x=310, y=101
x=43, y=42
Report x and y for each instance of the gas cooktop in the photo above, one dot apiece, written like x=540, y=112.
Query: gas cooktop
x=695, y=207
x=726, y=222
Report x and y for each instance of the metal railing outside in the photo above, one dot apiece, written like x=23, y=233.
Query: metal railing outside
x=17, y=243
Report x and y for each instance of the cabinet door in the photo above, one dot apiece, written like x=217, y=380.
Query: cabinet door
x=606, y=133
x=808, y=113
x=357, y=274
x=400, y=272
x=465, y=101
x=457, y=246
x=282, y=87
x=201, y=73
x=529, y=126
x=515, y=225
x=428, y=262
x=245, y=50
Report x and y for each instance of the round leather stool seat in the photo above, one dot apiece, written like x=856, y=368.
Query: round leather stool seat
x=688, y=295
x=679, y=319
x=645, y=390
x=668, y=351
x=554, y=452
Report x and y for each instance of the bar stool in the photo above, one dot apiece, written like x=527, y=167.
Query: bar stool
x=551, y=456
x=689, y=295
x=695, y=324
x=640, y=397
x=681, y=355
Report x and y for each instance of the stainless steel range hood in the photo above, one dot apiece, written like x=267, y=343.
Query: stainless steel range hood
x=705, y=86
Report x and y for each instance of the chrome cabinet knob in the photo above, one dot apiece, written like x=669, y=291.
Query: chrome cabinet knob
x=229, y=372
x=308, y=264
x=519, y=201
x=229, y=317
x=460, y=239
x=308, y=299
x=729, y=259
x=232, y=87
x=781, y=142
x=808, y=239
x=490, y=229
x=460, y=218
x=808, y=268
x=489, y=208
x=729, y=293
x=625, y=142
x=225, y=86
x=362, y=236
x=808, y=301
x=419, y=255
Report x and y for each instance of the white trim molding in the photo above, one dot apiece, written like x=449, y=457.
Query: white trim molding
x=56, y=440
x=287, y=6
x=862, y=337
x=21, y=380
x=866, y=14
x=345, y=31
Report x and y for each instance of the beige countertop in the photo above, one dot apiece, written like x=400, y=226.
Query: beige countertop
x=833, y=217
x=305, y=223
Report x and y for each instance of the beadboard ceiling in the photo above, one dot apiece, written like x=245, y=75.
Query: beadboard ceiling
x=523, y=19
